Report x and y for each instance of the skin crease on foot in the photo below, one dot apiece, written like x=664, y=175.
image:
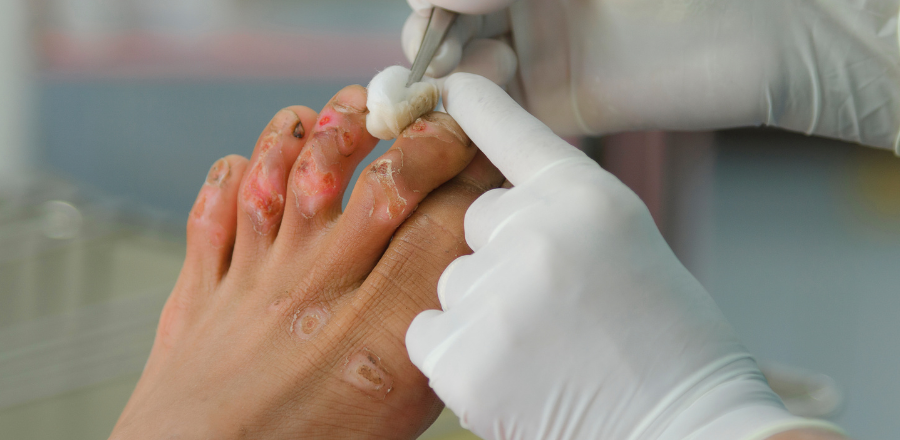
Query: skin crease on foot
x=289, y=316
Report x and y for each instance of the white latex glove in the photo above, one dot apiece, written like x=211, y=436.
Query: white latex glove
x=823, y=67
x=573, y=319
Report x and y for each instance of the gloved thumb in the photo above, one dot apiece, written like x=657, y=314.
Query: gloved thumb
x=473, y=7
x=516, y=142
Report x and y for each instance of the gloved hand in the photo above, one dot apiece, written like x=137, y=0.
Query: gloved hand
x=825, y=67
x=573, y=319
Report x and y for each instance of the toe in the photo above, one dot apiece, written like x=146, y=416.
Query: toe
x=210, y=239
x=213, y=220
x=404, y=283
x=262, y=192
x=337, y=143
x=425, y=245
x=428, y=153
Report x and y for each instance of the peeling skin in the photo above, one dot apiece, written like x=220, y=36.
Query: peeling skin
x=318, y=173
x=262, y=195
x=430, y=126
x=382, y=172
x=364, y=371
x=309, y=321
x=312, y=184
x=311, y=179
x=336, y=127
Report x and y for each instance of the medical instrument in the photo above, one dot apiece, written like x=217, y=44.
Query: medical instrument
x=825, y=68
x=438, y=25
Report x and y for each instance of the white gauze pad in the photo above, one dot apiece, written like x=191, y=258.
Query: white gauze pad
x=392, y=106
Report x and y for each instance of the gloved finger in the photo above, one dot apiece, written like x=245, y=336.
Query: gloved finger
x=449, y=53
x=492, y=59
x=447, y=56
x=444, y=280
x=465, y=275
x=461, y=6
x=420, y=7
x=482, y=218
x=425, y=339
x=515, y=141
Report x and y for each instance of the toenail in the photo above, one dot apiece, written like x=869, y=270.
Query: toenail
x=218, y=173
x=348, y=101
x=299, y=131
x=309, y=321
x=365, y=372
x=283, y=121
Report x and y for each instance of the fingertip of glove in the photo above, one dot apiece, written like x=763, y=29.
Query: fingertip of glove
x=418, y=344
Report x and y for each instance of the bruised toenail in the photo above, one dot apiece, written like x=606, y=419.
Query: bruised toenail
x=309, y=321
x=383, y=172
x=299, y=131
x=364, y=371
x=286, y=120
x=219, y=173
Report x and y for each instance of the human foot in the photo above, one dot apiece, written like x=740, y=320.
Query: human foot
x=288, y=318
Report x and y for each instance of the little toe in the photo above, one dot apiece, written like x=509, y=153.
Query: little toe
x=211, y=229
x=262, y=192
x=213, y=221
x=427, y=154
x=337, y=143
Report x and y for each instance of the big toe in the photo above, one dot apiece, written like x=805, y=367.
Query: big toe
x=428, y=153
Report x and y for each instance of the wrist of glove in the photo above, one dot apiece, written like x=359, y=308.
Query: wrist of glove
x=572, y=319
x=829, y=68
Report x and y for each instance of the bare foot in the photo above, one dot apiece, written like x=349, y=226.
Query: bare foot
x=288, y=319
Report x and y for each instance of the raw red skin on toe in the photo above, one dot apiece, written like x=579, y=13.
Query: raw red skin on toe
x=319, y=172
x=263, y=193
x=418, y=126
x=310, y=180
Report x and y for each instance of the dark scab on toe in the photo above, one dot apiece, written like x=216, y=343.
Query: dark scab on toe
x=299, y=131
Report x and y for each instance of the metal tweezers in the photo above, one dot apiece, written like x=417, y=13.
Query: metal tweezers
x=438, y=25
